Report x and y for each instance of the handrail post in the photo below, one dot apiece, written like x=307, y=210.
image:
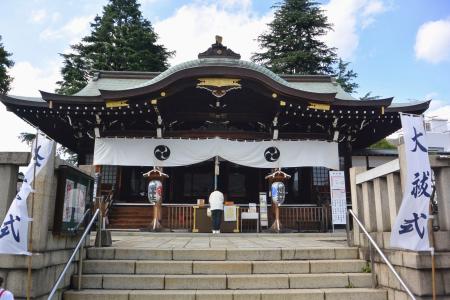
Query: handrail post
x=374, y=278
x=80, y=266
x=347, y=228
x=99, y=229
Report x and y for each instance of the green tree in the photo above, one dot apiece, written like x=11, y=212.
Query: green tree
x=345, y=77
x=368, y=96
x=120, y=40
x=294, y=44
x=382, y=144
x=5, y=63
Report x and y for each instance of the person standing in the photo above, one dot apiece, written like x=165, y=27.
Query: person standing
x=216, y=205
x=4, y=294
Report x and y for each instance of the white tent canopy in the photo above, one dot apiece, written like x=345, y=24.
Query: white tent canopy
x=183, y=152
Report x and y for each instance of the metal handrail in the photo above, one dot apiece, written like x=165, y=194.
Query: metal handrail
x=61, y=276
x=82, y=220
x=372, y=242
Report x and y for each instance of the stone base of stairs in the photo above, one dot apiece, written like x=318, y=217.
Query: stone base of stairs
x=272, y=294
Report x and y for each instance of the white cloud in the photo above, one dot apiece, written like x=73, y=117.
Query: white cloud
x=15, y=125
x=73, y=30
x=433, y=41
x=28, y=80
x=37, y=16
x=193, y=27
x=349, y=17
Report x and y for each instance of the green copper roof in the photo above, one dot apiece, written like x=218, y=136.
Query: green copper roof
x=118, y=83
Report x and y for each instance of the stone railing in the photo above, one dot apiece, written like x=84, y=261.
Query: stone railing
x=376, y=198
x=50, y=252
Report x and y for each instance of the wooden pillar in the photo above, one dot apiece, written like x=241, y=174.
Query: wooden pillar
x=347, y=154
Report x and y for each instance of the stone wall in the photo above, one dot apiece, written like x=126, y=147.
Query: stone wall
x=50, y=252
x=376, y=199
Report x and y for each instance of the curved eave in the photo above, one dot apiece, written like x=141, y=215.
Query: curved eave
x=70, y=99
x=364, y=103
x=419, y=108
x=8, y=100
x=219, y=71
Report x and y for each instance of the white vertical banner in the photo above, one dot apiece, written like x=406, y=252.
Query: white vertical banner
x=410, y=230
x=14, y=228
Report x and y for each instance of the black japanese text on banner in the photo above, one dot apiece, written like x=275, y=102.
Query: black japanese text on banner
x=14, y=229
x=410, y=228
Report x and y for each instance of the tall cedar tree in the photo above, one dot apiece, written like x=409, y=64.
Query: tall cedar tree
x=120, y=40
x=345, y=77
x=5, y=63
x=293, y=44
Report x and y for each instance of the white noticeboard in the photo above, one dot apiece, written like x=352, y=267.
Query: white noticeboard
x=263, y=217
x=338, y=199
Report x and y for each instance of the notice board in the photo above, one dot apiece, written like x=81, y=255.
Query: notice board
x=338, y=197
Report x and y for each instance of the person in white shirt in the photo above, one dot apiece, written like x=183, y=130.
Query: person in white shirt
x=4, y=294
x=216, y=206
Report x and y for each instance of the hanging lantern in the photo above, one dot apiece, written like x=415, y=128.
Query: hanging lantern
x=278, y=192
x=155, y=191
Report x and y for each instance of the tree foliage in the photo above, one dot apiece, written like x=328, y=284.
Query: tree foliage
x=120, y=40
x=294, y=43
x=5, y=63
x=382, y=144
x=368, y=96
x=345, y=77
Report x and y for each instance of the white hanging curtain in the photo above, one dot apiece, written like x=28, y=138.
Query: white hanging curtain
x=183, y=152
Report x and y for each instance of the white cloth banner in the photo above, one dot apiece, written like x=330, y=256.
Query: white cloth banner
x=182, y=152
x=410, y=230
x=14, y=228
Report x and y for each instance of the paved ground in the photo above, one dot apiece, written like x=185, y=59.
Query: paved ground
x=223, y=241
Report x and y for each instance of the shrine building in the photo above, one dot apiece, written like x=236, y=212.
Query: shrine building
x=213, y=122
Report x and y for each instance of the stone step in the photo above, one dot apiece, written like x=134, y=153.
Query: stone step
x=171, y=267
x=223, y=282
x=252, y=254
x=264, y=294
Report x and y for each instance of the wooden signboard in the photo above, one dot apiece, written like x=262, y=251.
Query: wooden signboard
x=73, y=197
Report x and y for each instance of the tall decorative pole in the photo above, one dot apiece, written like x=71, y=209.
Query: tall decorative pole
x=276, y=181
x=30, y=236
x=155, y=194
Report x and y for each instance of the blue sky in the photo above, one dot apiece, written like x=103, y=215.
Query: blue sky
x=399, y=48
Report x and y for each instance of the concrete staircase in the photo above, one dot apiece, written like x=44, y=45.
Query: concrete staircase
x=228, y=274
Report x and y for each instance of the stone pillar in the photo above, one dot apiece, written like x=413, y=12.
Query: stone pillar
x=402, y=163
x=394, y=195
x=383, y=223
x=9, y=169
x=42, y=206
x=356, y=196
x=443, y=196
x=368, y=206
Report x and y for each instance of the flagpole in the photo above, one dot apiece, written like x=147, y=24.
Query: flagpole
x=432, y=250
x=30, y=236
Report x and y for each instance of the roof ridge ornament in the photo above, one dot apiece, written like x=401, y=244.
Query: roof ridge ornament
x=217, y=50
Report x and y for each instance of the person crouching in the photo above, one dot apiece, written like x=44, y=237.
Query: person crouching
x=216, y=206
